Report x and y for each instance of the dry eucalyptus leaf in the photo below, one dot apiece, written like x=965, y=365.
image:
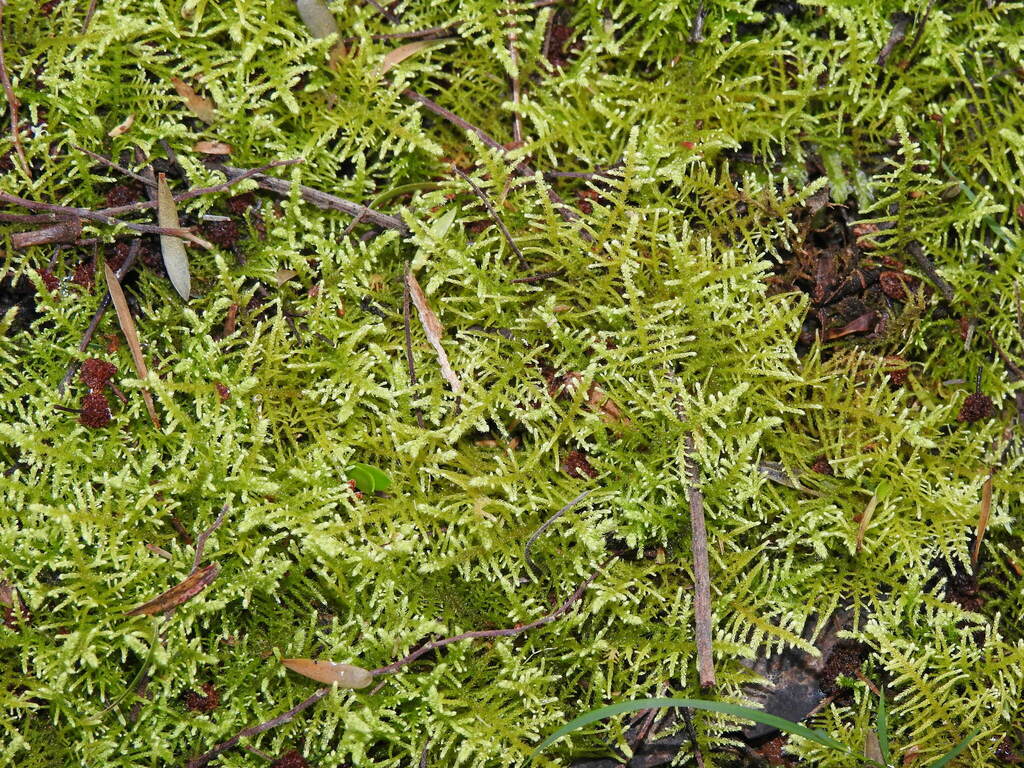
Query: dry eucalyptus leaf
x=403, y=52
x=872, y=748
x=122, y=128
x=317, y=17
x=212, y=147
x=200, y=106
x=434, y=331
x=180, y=593
x=172, y=248
x=345, y=675
x=127, y=323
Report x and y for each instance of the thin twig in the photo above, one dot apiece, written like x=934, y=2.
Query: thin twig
x=416, y=33
x=206, y=757
x=698, y=756
x=487, y=633
x=538, y=277
x=517, y=120
x=424, y=754
x=224, y=746
x=983, y=518
x=522, y=169
x=595, y=174
x=701, y=570
x=12, y=100
x=320, y=199
x=1007, y=360
x=88, y=16
x=385, y=12
x=111, y=164
x=201, y=541
x=917, y=35
x=410, y=362
x=899, y=31
x=547, y=524
x=926, y=266
x=126, y=265
x=85, y=213
x=493, y=213
x=151, y=184
x=697, y=27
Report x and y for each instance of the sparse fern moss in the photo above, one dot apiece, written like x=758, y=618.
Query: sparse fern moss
x=666, y=307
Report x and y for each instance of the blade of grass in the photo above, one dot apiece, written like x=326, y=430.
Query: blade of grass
x=883, y=729
x=957, y=749
x=735, y=710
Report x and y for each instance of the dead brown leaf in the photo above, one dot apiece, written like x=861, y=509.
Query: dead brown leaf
x=403, y=52
x=122, y=128
x=284, y=275
x=127, y=323
x=434, y=330
x=180, y=593
x=345, y=675
x=213, y=147
x=172, y=248
x=200, y=106
x=983, y=516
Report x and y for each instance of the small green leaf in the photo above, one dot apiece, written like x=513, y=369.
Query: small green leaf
x=883, y=489
x=745, y=713
x=368, y=479
x=444, y=223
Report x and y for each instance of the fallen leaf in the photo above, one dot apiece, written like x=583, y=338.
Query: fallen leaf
x=212, y=147
x=317, y=17
x=872, y=749
x=200, y=106
x=434, y=330
x=124, y=319
x=863, y=323
x=284, y=275
x=345, y=675
x=180, y=593
x=122, y=128
x=172, y=248
x=403, y=52
x=983, y=516
x=865, y=520
x=599, y=401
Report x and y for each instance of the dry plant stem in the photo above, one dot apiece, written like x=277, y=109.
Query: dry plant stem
x=487, y=633
x=88, y=16
x=596, y=174
x=224, y=746
x=517, y=120
x=416, y=33
x=124, y=318
x=926, y=266
x=206, y=757
x=129, y=262
x=103, y=218
x=201, y=541
x=12, y=100
x=387, y=14
x=1007, y=360
x=111, y=164
x=538, y=277
x=698, y=756
x=66, y=231
x=983, y=517
x=917, y=34
x=899, y=32
x=407, y=319
x=493, y=214
x=523, y=168
x=548, y=523
x=151, y=184
x=320, y=199
x=701, y=570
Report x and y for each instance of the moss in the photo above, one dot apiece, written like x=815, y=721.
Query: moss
x=661, y=299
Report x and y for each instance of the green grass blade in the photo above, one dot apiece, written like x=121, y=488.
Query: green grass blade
x=957, y=749
x=735, y=710
x=883, y=730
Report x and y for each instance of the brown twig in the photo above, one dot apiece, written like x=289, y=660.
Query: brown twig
x=85, y=213
x=111, y=164
x=12, y=100
x=387, y=13
x=201, y=541
x=65, y=231
x=488, y=633
x=599, y=173
x=517, y=120
x=224, y=746
x=698, y=756
x=917, y=35
x=416, y=33
x=547, y=524
x=151, y=185
x=926, y=266
x=701, y=570
x=320, y=199
x=538, y=277
x=697, y=27
x=899, y=31
x=88, y=16
x=126, y=265
x=522, y=169
x=983, y=518
x=493, y=214
x=407, y=318
x=206, y=757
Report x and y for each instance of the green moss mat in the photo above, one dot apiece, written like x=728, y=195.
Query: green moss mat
x=666, y=307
